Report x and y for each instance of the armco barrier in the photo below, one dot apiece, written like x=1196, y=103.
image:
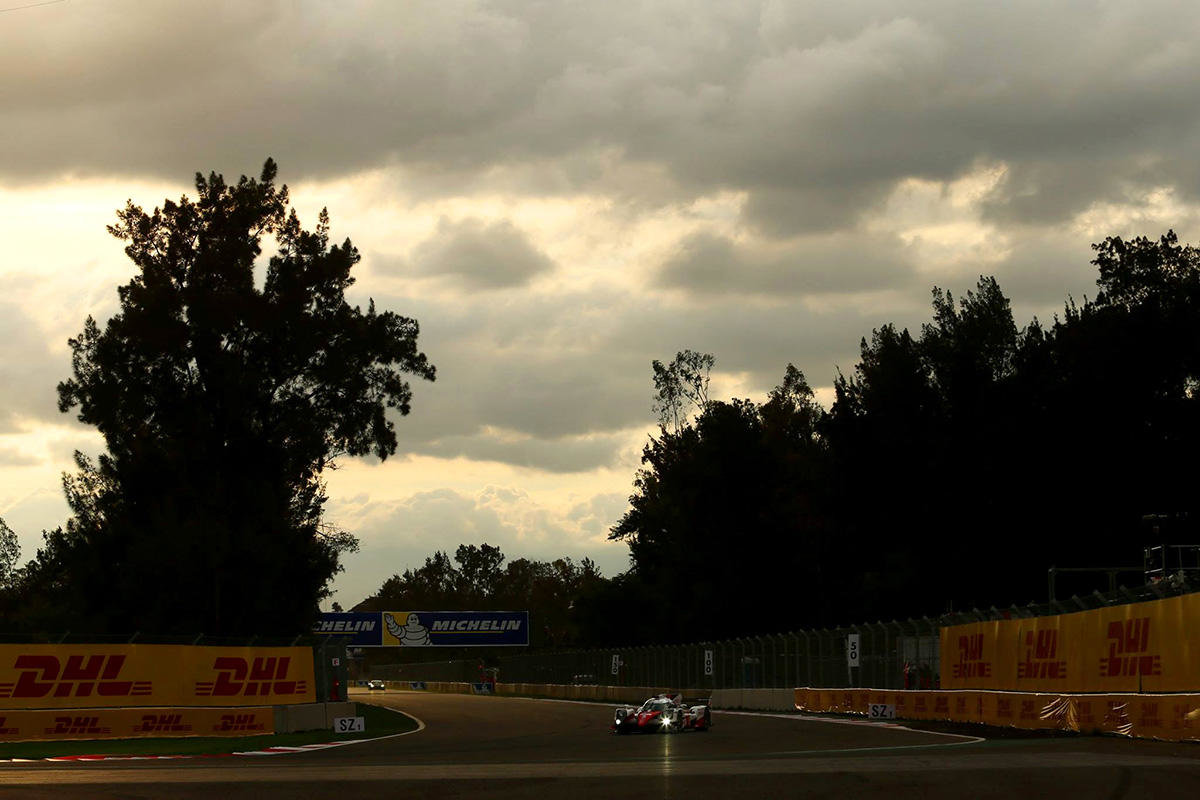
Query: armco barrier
x=1174, y=717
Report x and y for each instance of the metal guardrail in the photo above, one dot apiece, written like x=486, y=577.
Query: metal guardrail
x=892, y=655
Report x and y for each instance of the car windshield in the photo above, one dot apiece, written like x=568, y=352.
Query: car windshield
x=656, y=705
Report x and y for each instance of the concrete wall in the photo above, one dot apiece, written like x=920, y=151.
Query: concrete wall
x=749, y=699
x=755, y=699
x=310, y=716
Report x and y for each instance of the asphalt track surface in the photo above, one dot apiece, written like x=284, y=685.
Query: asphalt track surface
x=517, y=748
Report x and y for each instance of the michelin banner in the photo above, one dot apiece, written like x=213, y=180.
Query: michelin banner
x=429, y=628
x=455, y=628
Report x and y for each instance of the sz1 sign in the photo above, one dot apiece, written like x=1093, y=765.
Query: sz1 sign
x=881, y=711
x=349, y=724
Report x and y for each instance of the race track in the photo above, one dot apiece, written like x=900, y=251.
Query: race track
x=516, y=748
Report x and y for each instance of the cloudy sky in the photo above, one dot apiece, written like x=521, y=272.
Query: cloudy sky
x=561, y=192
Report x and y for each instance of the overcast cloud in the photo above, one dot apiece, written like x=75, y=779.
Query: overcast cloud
x=562, y=192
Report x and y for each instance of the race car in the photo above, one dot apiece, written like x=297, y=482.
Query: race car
x=664, y=713
x=376, y=684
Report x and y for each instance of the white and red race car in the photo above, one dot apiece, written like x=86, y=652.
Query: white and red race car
x=664, y=713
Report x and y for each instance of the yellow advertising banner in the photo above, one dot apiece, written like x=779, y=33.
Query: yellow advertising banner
x=1174, y=717
x=132, y=723
x=1139, y=647
x=101, y=675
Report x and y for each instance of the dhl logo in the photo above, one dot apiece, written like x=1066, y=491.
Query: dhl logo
x=1128, y=643
x=162, y=723
x=1149, y=717
x=240, y=677
x=75, y=726
x=239, y=722
x=46, y=675
x=1041, y=651
x=7, y=731
x=970, y=658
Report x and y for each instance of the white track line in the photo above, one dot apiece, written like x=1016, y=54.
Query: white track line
x=861, y=722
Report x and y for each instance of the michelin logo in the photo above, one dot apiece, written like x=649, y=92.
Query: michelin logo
x=343, y=626
x=411, y=634
x=477, y=625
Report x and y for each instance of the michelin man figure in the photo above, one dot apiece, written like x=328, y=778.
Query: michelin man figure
x=411, y=634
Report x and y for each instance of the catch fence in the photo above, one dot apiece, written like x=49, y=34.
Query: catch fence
x=891, y=655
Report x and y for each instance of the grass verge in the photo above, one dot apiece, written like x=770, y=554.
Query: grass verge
x=379, y=722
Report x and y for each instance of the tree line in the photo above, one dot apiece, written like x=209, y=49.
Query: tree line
x=955, y=465
x=225, y=387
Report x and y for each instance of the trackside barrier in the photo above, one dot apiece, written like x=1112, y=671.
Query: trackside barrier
x=167, y=723
x=1174, y=717
x=613, y=694
x=310, y=716
x=85, y=676
x=754, y=699
x=441, y=687
x=901, y=654
x=126, y=723
x=603, y=694
x=1134, y=647
x=751, y=699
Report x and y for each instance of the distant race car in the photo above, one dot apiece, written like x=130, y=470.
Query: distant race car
x=665, y=713
x=376, y=684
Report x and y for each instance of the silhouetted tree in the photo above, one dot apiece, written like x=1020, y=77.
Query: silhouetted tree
x=681, y=387
x=725, y=518
x=221, y=405
x=479, y=579
x=952, y=469
x=10, y=552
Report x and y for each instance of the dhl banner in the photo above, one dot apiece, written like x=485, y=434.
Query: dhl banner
x=98, y=675
x=1157, y=716
x=129, y=723
x=1138, y=647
